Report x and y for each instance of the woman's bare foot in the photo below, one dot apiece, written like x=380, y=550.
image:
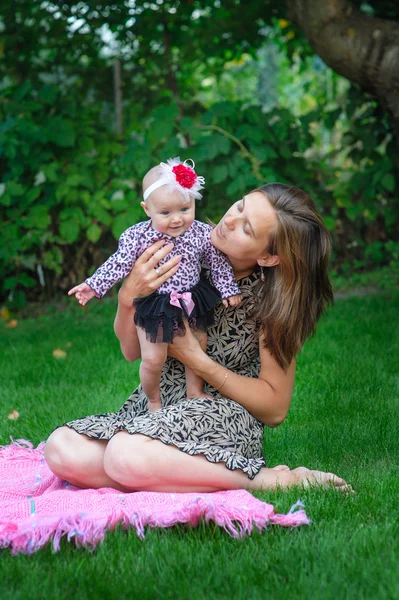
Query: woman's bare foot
x=308, y=477
x=282, y=477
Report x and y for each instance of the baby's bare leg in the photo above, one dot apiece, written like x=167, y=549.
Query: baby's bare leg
x=194, y=383
x=153, y=358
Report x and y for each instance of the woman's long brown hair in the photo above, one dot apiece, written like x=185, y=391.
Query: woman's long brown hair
x=297, y=291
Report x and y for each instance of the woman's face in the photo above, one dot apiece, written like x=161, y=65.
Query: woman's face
x=243, y=233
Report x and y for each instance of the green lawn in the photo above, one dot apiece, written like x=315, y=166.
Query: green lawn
x=344, y=417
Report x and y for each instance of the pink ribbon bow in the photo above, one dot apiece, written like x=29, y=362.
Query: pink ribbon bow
x=187, y=299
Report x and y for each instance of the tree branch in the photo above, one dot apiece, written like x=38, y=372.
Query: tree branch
x=363, y=49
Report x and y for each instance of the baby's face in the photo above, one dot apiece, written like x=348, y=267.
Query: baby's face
x=170, y=213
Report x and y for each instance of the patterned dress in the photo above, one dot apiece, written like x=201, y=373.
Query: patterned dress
x=219, y=428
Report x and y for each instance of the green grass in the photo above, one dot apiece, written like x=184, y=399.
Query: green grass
x=344, y=418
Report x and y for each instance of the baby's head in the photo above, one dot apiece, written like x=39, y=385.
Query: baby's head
x=169, y=192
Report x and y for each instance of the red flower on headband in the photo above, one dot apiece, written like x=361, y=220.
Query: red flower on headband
x=185, y=176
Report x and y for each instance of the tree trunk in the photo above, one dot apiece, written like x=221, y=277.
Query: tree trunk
x=171, y=76
x=363, y=49
x=118, y=96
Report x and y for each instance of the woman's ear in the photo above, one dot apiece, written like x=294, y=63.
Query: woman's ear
x=145, y=208
x=269, y=261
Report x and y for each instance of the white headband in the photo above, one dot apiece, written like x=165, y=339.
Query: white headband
x=178, y=176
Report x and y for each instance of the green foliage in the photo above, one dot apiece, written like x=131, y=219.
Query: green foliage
x=383, y=279
x=60, y=176
x=239, y=91
x=69, y=187
x=357, y=165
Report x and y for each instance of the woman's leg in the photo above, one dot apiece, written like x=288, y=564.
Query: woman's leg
x=153, y=357
x=78, y=459
x=141, y=463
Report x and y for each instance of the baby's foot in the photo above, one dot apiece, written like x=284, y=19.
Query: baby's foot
x=197, y=394
x=154, y=405
x=281, y=468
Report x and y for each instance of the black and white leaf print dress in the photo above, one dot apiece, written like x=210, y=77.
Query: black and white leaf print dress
x=219, y=428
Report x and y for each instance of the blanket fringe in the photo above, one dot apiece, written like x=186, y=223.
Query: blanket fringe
x=88, y=532
x=22, y=450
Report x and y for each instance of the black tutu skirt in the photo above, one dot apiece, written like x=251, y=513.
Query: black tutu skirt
x=162, y=321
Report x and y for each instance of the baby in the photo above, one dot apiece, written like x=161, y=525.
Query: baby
x=170, y=190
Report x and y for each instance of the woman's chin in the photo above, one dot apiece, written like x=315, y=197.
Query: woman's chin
x=216, y=240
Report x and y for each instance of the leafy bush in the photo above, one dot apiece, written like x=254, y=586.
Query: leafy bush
x=70, y=186
x=62, y=192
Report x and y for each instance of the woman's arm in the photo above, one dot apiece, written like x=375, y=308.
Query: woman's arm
x=141, y=281
x=267, y=398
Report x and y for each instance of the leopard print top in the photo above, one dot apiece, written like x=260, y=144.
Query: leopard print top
x=194, y=245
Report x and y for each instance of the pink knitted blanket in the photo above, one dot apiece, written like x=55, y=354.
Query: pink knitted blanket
x=36, y=507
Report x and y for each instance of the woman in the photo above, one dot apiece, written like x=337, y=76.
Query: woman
x=279, y=249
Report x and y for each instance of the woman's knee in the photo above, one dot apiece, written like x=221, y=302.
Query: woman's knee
x=66, y=452
x=58, y=445
x=127, y=460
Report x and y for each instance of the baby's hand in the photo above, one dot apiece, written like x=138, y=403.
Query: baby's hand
x=83, y=293
x=233, y=300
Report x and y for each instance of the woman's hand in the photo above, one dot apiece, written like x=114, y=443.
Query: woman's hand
x=146, y=277
x=185, y=348
x=143, y=279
